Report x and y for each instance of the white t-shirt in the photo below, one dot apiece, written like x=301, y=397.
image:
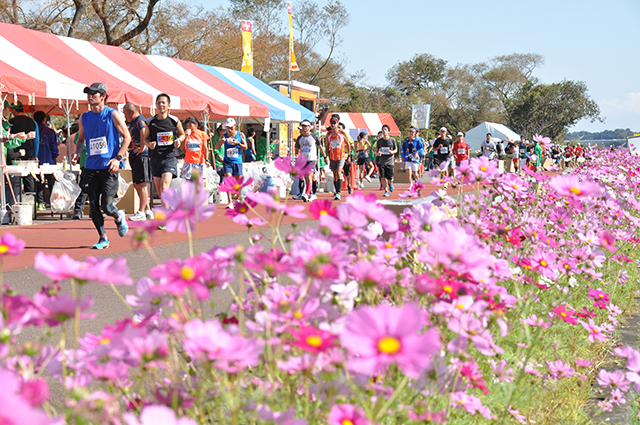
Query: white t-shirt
x=307, y=146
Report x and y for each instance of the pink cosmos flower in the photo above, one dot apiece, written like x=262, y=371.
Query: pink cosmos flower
x=312, y=339
x=186, y=206
x=58, y=308
x=572, y=187
x=321, y=207
x=273, y=205
x=566, y=314
x=559, y=369
x=157, y=415
x=543, y=140
x=382, y=335
x=298, y=169
x=601, y=298
x=176, y=276
x=470, y=403
x=10, y=245
x=500, y=370
x=148, y=302
x=148, y=348
x=517, y=415
x=14, y=408
x=233, y=186
x=615, y=379
x=482, y=169
x=368, y=206
x=347, y=414
x=583, y=363
x=279, y=418
x=375, y=274
x=348, y=223
x=596, y=332
x=607, y=241
x=101, y=270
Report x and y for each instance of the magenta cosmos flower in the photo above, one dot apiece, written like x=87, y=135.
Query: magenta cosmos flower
x=347, y=414
x=233, y=186
x=156, y=415
x=102, y=270
x=312, y=339
x=379, y=336
x=186, y=206
x=15, y=409
x=572, y=187
x=300, y=168
x=10, y=245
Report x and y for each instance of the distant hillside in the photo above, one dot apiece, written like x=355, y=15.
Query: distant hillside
x=618, y=133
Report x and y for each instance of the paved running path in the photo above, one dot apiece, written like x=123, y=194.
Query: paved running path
x=75, y=237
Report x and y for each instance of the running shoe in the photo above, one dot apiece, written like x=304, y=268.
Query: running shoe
x=162, y=227
x=42, y=207
x=312, y=197
x=123, y=227
x=304, y=198
x=350, y=189
x=297, y=197
x=139, y=216
x=386, y=193
x=337, y=197
x=367, y=178
x=103, y=243
x=149, y=214
x=381, y=187
x=391, y=187
x=230, y=205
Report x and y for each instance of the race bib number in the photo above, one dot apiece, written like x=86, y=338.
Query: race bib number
x=384, y=151
x=444, y=150
x=523, y=150
x=306, y=151
x=233, y=153
x=335, y=143
x=461, y=151
x=194, y=146
x=165, y=138
x=98, y=146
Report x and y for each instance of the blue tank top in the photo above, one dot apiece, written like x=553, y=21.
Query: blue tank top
x=233, y=153
x=102, y=140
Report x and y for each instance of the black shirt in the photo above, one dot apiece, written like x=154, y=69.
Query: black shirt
x=19, y=124
x=386, y=146
x=164, y=133
x=442, y=148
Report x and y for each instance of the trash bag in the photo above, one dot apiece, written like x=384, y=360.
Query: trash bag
x=65, y=192
x=213, y=179
x=123, y=186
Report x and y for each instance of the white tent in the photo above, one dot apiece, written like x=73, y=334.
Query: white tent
x=476, y=135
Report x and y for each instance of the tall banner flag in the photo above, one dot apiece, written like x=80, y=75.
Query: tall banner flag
x=420, y=115
x=293, y=66
x=247, y=53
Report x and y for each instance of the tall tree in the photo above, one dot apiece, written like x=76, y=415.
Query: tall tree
x=550, y=109
x=421, y=72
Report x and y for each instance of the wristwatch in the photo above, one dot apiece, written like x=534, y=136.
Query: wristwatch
x=119, y=157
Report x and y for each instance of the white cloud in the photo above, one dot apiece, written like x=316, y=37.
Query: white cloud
x=630, y=104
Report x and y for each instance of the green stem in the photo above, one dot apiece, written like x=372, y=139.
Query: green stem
x=120, y=296
x=395, y=394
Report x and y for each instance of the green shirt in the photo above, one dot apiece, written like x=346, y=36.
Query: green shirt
x=218, y=154
x=537, y=150
x=261, y=149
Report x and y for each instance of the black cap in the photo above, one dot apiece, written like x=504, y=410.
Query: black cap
x=99, y=87
x=192, y=120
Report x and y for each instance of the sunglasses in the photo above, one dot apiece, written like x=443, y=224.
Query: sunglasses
x=91, y=93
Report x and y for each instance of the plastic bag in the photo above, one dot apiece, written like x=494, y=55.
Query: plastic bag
x=65, y=192
x=213, y=179
x=123, y=186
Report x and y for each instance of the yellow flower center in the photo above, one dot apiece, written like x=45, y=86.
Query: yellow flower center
x=575, y=190
x=105, y=341
x=515, y=186
x=601, y=295
x=389, y=345
x=236, y=187
x=314, y=340
x=543, y=263
x=346, y=422
x=460, y=306
x=160, y=215
x=447, y=288
x=187, y=273
x=563, y=314
x=323, y=212
x=483, y=168
x=298, y=314
x=3, y=249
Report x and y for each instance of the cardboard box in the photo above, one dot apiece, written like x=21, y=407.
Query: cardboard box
x=130, y=203
x=400, y=174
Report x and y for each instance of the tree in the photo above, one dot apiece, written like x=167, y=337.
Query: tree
x=550, y=109
x=421, y=72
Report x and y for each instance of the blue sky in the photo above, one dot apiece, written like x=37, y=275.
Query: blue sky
x=589, y=40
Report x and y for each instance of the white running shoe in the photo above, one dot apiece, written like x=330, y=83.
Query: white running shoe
x=149, y=214
x=139, y=216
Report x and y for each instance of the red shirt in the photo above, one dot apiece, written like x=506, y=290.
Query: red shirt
x=568, y=151
x=578, y=151
x=460, y=150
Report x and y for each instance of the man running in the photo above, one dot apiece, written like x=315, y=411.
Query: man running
x=488, y=147
x=441, y=147
x=412, y=153
x=337, y=144
x=165, y=138
x=461, y=149
x=386, y=148
x=139, y=160
x=100, y=129
x=307, y=144
x=233, y=141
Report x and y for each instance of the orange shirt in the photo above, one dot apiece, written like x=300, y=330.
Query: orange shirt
x=195, y=147
x=337, y=144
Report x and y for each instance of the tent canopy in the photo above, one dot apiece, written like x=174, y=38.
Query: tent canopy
x=370, y=122
x=476, y=135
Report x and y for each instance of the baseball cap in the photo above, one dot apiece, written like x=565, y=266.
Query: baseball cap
x=334, y=120
x=443, y=129
x=305, y=122
x=192, y=120
x=460, y=133
x=99, y=87
x=230, y=122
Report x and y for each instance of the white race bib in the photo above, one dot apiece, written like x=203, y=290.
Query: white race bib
x=306, y=151
x=444, y=150
x=335, y=143
x=194, y=146
x=384, y=151
x=165, y=138
x=232, y=153
x=98, y=146
x=461, y=151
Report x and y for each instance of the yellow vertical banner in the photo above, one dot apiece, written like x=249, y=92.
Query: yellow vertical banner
x=247, y=52
x=293, y=66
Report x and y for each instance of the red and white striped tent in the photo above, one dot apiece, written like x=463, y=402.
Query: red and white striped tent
x=48, y=71
x=371, y=122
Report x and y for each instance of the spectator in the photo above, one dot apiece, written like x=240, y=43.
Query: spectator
x=47, y=154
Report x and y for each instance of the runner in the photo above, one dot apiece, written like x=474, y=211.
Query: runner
x=348, y=159
x=441, y=147
x=385, y=150
x=365, y=169
x=412, y=153
x=337, y=144
x=515, y=155
x=308, y=144
x=195, y=150
x=489, y=148
x=524, y=154
x=165, y=138
x=100, y=127
x=250, y=152
x=233, y=141
x=461, y=149
x=139, y=160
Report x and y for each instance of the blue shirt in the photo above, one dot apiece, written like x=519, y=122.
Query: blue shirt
x=233, y=153
x=135, y=126
x=102, y=140
x=48, y=151
x=409, y=147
